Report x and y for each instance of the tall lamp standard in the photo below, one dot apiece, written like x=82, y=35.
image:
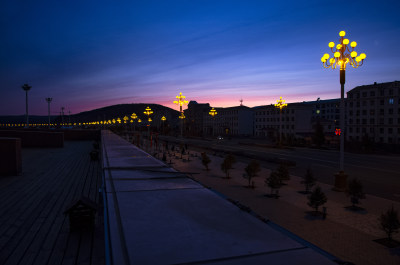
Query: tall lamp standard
x=26, y=87
x=280, y=105
x=148, y=112
x=181, y=101
x=133, y=117
x=342, y=55
x=213, y=113
x=163, y=119
x=48, y=107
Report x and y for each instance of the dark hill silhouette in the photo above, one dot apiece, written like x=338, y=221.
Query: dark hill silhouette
x=105, y=113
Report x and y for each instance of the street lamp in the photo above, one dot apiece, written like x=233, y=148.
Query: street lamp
x=213, y=113
x=148, y=112
x=280, y=105
x=26, y=87
x=163, y=119
x=133, y=117
x=181, y=101
x=342, y=55
x=48, y=107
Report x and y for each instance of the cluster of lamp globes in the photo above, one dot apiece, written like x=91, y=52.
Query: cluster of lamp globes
x=342, y=54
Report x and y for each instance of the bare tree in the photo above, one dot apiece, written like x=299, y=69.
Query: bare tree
x=251, y=170
x=226, y=165
x=390, y=222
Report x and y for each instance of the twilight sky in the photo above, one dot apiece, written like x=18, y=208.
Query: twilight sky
x=90, y=54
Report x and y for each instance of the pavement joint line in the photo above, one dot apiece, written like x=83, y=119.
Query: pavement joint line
x=158, y=178
x=244, y=256
x=162, y=189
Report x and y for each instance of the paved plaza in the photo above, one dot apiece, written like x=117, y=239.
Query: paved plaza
x=346, y=234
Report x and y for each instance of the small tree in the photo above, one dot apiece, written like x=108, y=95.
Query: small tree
x=274, y=182
x=316, y=198
x=390, y=222
x=205, y=160
x=251, y=170
x=227, y=164
x=309, y=180
x=283, y=172
x=355, y=191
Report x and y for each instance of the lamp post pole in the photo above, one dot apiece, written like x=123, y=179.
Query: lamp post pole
x=26, y=87
x=148, y=112
x=280, y=105
x=181, y=101
x=213, y=113
x=48, y=108
x=342, y=55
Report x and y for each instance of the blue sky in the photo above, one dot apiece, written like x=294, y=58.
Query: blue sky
x=90, y=54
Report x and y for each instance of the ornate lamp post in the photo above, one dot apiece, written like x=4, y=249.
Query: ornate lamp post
x=48, y=107
x=163, y=119
x=133, y=117
x=280, y=105
x=148, y=112
x=181, y=101
x=213, y=113
x=26, y=87
x=342, y=55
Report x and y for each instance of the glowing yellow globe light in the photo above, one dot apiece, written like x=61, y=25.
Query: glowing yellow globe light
x=336, y=54
x=323, y=59
x=363, y=56
x=353, y=44
x=332, y=60
x=150, y=120
x=148, y=111
x=358, y=59
x=139, y=121
x=342, y=33
x=213, y=112
x=346, y=41
x=133, y=116
x=163, y=118
x=326, y=56
x=182, y=116
x=339, y=46
x=331, y=44
x=353, y=54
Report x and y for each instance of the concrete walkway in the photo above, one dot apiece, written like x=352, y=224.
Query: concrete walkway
x=346, y=234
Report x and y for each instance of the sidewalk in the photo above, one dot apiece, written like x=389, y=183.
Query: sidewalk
x=345, y=234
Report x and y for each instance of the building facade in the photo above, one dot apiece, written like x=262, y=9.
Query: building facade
x=374, y=113
x=232, y=121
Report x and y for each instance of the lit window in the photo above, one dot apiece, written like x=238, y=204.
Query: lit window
x=391, y=101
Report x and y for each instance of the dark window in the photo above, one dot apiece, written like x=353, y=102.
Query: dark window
x=372, y=93
x=381, y=111
x=364, y=112
x=372, y=102
x=390, y=91
x=364, y=103
x=372, y=121
x=390, y=130
x=390, y=121
x=381, y=130
x=381, y=102
x=390, y=111
x=364, y=94
x=372, y=112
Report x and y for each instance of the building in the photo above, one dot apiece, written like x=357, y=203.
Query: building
x=296, y=120
x=374, y=113
x=194, y=120
x=232, y=121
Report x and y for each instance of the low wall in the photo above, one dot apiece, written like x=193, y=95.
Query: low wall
x=10, y=156
x=36, y=138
